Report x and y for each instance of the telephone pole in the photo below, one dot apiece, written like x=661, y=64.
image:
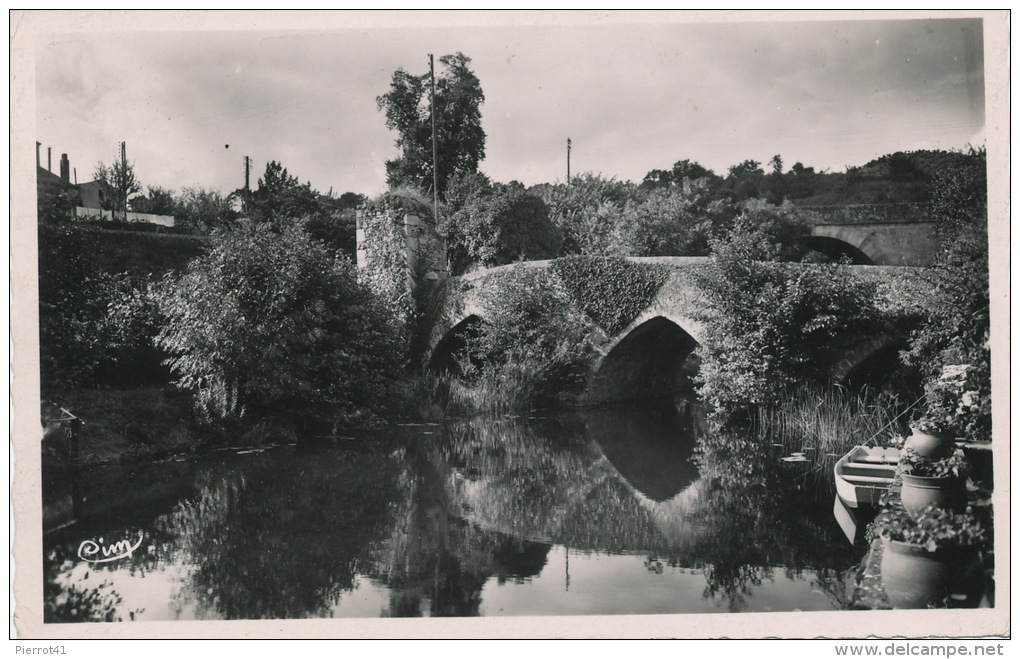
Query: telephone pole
x=568, y=161
x=435, y=159
x=123, y=176
x=247, y=168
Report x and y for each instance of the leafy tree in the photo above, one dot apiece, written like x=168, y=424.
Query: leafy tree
x=674, y=221
x=460, y=140
x=776, y=165
x=280, y=197
x=335, y=222
x=121, y=178
x=774, y=324
x=683, y=170
x=336, y=229
x=766, y=232
x=351, y=200
x=157, y=201
x=800, y=182
x=74, y=292
x=745, y=180
x=533, y=338
x=203, y=210
x=499, y=224
x=586, y=210
x=274, y=324
x=96, y=324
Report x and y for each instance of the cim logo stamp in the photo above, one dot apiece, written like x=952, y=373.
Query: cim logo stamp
x=99, y=552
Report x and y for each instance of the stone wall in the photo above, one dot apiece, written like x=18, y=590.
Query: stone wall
x=95, y=213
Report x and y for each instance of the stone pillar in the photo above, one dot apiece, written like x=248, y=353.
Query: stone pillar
x=411, y=243
x=359, y=233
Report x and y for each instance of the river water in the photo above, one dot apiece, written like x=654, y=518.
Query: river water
x=625, y=511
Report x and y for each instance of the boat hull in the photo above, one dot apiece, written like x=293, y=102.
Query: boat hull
x=864, y=474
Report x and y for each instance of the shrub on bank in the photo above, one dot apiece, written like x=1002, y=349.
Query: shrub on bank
x=272, y=323
x=96, y=318
x=775, y=324
x=956, y=331
x=532, y=344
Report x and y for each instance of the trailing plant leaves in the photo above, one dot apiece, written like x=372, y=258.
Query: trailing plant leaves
x=612, y=291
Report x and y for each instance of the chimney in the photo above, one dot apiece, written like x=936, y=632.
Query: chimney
x=37, y=162
x=49, y=159
x=65, y=168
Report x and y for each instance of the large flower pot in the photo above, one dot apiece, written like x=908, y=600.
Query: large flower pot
x=919, y=492
x=913, y=577
x=931, y=445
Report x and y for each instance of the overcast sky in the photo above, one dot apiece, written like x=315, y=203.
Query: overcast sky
x=191, y=105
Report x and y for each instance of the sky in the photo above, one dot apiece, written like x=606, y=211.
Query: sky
x=632, y=96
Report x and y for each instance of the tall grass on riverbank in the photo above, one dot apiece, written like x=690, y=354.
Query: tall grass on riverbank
x=825, y=423
x=434, y=396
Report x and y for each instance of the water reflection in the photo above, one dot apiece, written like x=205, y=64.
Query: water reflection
x=614, y=511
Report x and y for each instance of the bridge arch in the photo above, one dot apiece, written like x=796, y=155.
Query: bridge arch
x=898, y=244
x=876, y=364
x=651, y=360
x=835, y=248
x=443, y=358
x=853, y=240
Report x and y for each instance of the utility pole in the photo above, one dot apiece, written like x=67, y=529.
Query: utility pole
x=568, y=161
x=123, y=176
x=435, y=159
x=247, y=167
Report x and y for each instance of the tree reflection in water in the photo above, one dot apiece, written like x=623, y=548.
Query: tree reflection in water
x=759, y=514
x=286, y=535
x=427, y=520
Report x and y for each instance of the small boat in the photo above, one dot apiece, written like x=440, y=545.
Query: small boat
x=848, y=519
x=864, y=474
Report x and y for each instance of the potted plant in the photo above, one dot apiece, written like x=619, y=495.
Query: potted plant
x=925, y=559
x=930, y=437
x=939, y=482
x=947, y=403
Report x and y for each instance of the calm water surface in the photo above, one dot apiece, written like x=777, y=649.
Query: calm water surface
x=607, y=512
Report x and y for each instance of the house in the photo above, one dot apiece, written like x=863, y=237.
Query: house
x=97, y=195
x=88, y=200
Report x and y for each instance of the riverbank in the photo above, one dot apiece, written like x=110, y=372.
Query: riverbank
x=120, y=425
x=130, y=425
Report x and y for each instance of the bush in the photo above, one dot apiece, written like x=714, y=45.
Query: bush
x=773, y=325
x=500, y=225
x=765, y=232
x=956, y=330
x=672, y=221
x=96, y=318
x=336, y=230
x=611, y=290
x=532, y=340
x=276, y=324
x=586, y=210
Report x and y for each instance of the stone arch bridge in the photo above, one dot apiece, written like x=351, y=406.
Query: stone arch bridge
x=652, y=357
x=873, y=234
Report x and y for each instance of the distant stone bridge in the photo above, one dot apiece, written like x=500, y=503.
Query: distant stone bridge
x=652, y=357
x=873, y=234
